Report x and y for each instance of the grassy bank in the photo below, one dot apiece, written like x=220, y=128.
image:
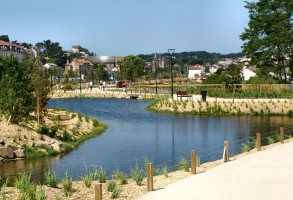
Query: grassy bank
x=246, y=107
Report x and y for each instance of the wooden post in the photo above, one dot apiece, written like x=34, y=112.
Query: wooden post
x=193, y=161
x=226, y=144
x=98, y=191
x=258, y=142
x=282, y=135
x=150, y=177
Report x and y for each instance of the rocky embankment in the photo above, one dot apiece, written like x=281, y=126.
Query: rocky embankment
x=61, y=131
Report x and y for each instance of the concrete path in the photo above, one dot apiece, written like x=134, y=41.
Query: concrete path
x=265, y=175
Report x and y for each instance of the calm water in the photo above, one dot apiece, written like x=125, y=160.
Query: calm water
x=135, y=134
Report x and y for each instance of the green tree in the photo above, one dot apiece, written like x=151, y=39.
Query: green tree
x=269, y=36
x=4, y=38
x=16, y=99
x=51, y=51
x=132, y=67
x=100, y=72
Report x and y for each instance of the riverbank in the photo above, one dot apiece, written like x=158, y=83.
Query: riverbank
x=128, y=191
x=224, y=107
x=60, y=132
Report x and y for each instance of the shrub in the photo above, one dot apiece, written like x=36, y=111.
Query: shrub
x=51, y=179
x=44, y=130
x=88, y=178
x=95, y=123
x=245, y=147
x=101, y=173
x=115, y=193
x=183, y=164
x=122, y=177
x=111, y=186
x=23, y=182
x=137, y=174
x=165, y=171
x=67, y=185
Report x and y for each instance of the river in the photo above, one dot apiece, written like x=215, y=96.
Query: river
x=135, y=134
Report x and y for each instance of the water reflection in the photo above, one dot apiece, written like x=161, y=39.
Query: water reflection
x=135, y=134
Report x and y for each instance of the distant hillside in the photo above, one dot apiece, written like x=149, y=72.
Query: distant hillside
x=195, y=57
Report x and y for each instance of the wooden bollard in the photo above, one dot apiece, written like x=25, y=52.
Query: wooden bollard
x=98, y=191
x=226, y=153
x=150, y=177
x=193, y=161
x=258, y=142
x=282, y=135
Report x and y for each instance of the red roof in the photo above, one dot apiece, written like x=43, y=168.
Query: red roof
x=195, y=67
x=4, y=43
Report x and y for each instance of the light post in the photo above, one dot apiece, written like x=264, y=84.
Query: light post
x=79, y=80
x=171, y=52
x=155, y=60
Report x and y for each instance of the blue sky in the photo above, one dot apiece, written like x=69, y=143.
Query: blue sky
x=123, y=27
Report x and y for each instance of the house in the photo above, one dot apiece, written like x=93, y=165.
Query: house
x=79, y=66
x=196, y=71
x=247, y=74
x=11, y=49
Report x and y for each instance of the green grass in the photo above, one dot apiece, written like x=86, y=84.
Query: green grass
x=245, y=147
x=137, y=174
x=165, y=171
x=51, y=179
x=111, y=186
x=183, y=164
x=67, y=185
x=121, y=176
x=101, y=173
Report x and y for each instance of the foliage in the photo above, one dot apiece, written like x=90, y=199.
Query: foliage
x=115, y=193
x=121, y=176
x=52, y=51
x=137, y=174
x=132, y=67
x=183, y=164
x=88, y=178
x=67, y=185
x=100, y=72
x=268, y=39
x=51, y=179
x=111, y=186
x=16, y=99
x=232, y=75
x=101, y=173
x=165, y=171
x=4, y=38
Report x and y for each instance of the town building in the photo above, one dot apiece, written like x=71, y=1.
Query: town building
x=17, y=51
x=79, y=66
x=196, y=71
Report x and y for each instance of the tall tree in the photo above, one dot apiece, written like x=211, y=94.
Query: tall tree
x=4, y=38
x=269, y=36
x=16, y=99
x=51, y=51
x=132, y=67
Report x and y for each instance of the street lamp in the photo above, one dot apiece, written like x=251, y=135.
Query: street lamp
x=171, y=52
x=155, y=60
x=79, y=80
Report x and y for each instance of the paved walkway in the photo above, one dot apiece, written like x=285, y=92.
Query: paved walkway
x=265, y=175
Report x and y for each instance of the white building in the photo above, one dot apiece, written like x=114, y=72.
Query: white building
x=247, y=74
x=195, y=72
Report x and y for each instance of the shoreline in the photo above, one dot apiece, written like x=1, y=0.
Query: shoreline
x=130, y=190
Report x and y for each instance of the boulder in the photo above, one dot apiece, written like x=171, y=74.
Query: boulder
x=2, y=142
x=1, y=159
x=19, y=153
x=42, y=143
x=6, y=152
x=58, y=147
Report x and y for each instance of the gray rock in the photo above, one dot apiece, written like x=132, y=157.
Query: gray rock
x=19, y=153
x=2, y=142
x=58, y=147
x=6, y=152
x=42, y=143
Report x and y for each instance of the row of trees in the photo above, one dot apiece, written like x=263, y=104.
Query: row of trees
x=24, y=87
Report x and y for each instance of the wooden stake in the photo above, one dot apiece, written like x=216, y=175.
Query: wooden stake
x=258, y=142
x=98, y=191
x=282, y=135
x=150, y=177
x=226, y=144
x=193, y=161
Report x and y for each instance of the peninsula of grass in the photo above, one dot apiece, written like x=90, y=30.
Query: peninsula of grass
x=227, y=107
